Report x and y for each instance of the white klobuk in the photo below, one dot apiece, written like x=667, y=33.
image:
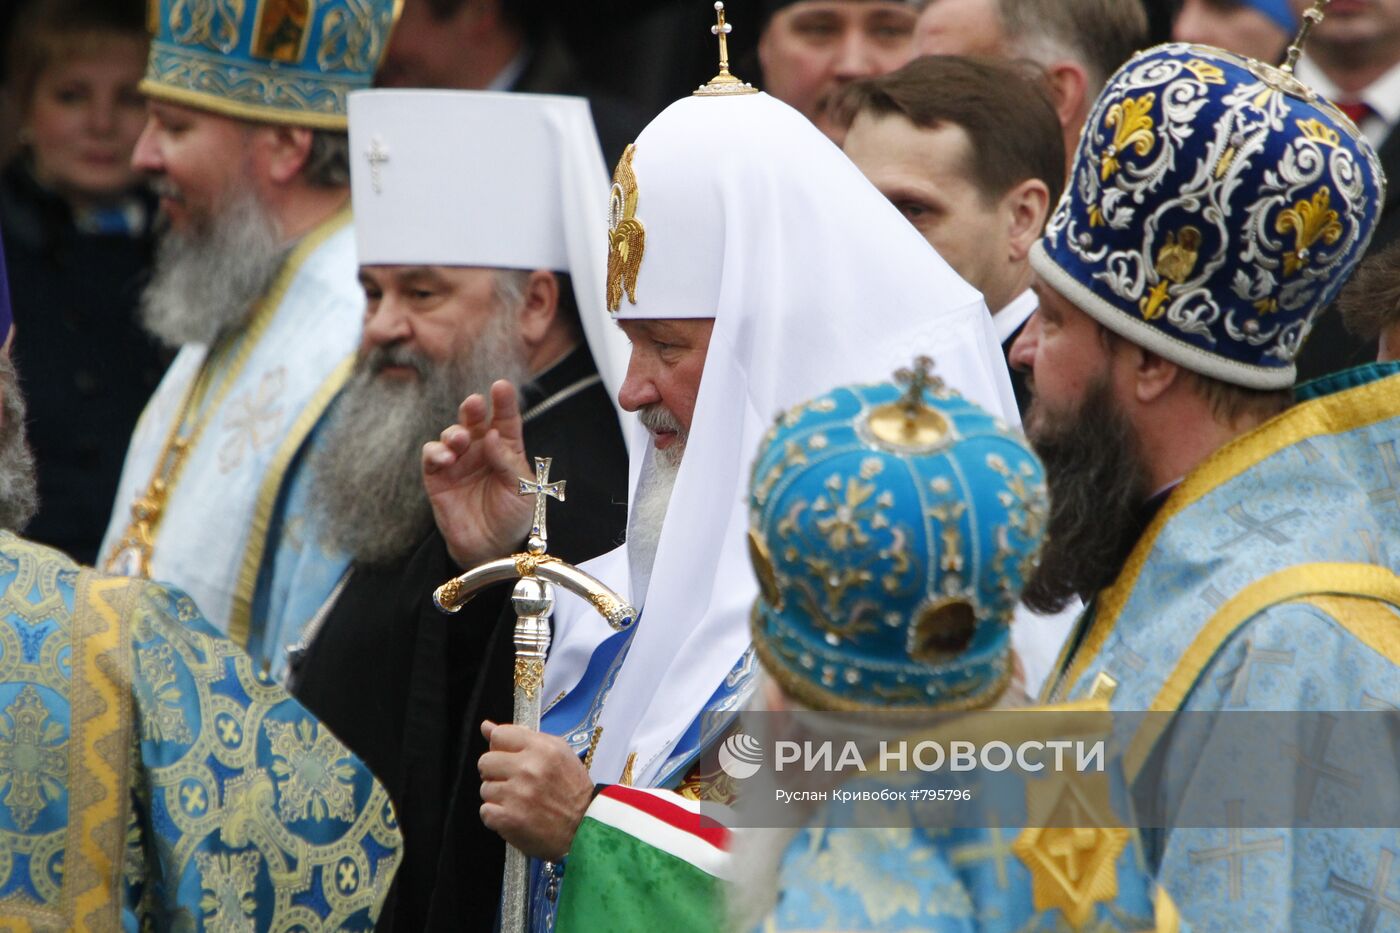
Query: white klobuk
x=753, y=218
x=481, y=178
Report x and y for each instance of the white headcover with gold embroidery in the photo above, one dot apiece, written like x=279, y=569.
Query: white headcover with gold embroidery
x=479, y=178
x=749, y=215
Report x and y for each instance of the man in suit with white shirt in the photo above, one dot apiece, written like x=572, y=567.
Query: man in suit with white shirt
x=969, y=152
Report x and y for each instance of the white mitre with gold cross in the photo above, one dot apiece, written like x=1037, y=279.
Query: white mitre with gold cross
x=480, y=178
x=731, y=205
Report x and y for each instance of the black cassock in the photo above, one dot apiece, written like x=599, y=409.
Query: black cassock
x=406, y=687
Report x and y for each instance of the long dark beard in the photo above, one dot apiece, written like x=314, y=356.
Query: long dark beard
x=19, y=487
x=367, y=471
x=1098, y=487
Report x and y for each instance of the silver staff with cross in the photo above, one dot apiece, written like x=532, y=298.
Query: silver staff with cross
x=536, y=573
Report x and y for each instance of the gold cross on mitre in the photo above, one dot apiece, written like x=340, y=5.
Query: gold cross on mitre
x=1310, y=19
x=542, y=489
x=910, y=423
x=724, y=83
x=1282, y=77
x=915, y=381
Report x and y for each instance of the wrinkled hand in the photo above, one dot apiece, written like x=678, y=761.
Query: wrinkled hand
x=535, y=790
x=471, y=476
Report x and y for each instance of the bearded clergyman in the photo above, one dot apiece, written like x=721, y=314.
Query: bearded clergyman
x=480, y=261
x=1232, y=536
x=254, y=282
x=750, y=265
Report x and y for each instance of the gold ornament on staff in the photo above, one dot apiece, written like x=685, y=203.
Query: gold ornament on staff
x=723, y=84
x=536, y=572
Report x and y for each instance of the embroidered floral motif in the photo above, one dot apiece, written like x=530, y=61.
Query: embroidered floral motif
x=33, y=765
x=313, y=772
x=230, y=880
x=351, y=38
x=1309, y=221
x=213, y=24
x=848, y=860
x=1132, y=124
x=1318, y=132
x=160, y=695
x=254, y=420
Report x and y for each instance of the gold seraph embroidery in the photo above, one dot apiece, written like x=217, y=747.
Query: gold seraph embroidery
x=627, y=238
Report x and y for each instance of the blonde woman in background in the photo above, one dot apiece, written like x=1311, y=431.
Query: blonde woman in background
x=77, y=222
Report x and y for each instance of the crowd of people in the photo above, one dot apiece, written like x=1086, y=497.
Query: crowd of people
x=901, y=359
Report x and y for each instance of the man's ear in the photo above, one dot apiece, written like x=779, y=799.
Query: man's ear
x=540, y=307
x=1025, y=208
x=282, y=151
x=1152, y=375
x=1067, y=83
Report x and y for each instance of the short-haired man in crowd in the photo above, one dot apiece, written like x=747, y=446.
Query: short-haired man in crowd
x=969, y=152
x=1077, y=43
x=497, y=45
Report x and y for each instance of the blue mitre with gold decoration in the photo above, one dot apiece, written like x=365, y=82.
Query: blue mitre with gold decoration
x=892, y=531
x=1215, y=207
x=271, y=61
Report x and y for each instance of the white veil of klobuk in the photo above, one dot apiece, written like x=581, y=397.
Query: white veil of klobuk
x=753, y=218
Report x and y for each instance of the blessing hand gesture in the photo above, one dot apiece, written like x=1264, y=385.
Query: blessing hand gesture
x=471, y=474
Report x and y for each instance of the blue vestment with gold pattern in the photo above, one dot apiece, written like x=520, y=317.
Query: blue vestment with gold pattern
x=1266, y=582
x=883, y=864
x=150, y=779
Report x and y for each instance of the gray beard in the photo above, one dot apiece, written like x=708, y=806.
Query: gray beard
x=645, y=520
x=206, y=281
x=366, y=473
x=19, y=490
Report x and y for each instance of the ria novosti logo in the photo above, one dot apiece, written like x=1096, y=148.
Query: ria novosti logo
x=740, y=756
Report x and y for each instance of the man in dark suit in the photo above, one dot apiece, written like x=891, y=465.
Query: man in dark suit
x=1353, y=58
x=969, y=152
